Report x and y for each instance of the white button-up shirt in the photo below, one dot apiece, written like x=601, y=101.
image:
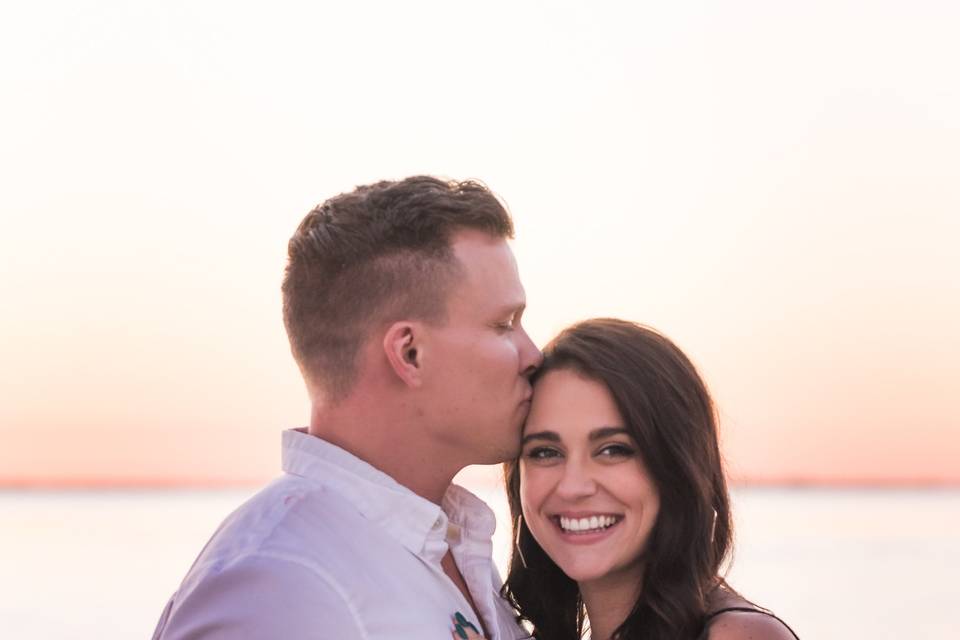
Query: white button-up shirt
x=336, y=549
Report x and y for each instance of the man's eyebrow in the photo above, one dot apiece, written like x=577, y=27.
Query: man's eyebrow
x=512, y=309
x=549, y=436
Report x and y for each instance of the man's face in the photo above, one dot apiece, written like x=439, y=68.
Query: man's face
x=477, y=365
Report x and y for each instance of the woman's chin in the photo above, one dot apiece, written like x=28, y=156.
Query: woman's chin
x=581, y=572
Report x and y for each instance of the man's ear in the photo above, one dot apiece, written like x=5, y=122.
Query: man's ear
x=401, y=345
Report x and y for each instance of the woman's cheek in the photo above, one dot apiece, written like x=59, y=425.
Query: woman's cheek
x=534, y=489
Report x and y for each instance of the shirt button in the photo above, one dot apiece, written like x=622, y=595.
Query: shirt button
x=438, y=523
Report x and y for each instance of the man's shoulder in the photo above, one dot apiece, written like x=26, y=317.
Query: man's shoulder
x=287, y=515
x=259, y=595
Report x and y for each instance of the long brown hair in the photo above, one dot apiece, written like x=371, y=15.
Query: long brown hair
x=670, y=415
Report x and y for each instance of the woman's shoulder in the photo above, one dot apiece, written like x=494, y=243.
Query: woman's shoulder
x=733, y=617
x=744, y=624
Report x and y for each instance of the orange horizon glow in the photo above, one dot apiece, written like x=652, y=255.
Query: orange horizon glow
x=172, y=484
x=787, y=213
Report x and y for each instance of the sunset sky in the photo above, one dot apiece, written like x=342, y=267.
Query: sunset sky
x=776, y=186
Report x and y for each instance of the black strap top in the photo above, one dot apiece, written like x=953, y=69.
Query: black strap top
x=706, y=623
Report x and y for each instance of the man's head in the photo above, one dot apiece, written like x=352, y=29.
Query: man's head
x=419, y=271
x=476, y=366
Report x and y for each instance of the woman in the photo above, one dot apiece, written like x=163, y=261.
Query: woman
x=620, y=506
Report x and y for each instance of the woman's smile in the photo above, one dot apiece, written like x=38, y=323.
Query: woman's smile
x=586, y=528
x=587, y=496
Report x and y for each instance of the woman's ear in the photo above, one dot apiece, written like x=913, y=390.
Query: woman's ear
x=401, y=345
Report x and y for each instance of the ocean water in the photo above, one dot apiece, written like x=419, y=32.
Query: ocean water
x=835, y=563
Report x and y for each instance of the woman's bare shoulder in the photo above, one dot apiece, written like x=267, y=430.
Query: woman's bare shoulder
x=745, y=621
x=747, y=625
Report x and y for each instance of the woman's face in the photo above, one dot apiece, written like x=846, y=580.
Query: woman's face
x=587, y=497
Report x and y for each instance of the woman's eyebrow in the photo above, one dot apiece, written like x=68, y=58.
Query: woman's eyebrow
x=550, y=436
x=596, y=434
x=606, y=432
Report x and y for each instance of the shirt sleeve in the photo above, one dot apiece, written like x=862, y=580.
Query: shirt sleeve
x=261, y=598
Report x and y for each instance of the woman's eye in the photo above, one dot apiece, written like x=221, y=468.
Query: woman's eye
x=616, y=451
x=542, y=453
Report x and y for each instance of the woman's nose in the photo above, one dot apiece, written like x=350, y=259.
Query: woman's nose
x=576, y=482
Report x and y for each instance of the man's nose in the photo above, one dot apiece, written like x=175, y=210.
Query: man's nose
x=530, y=356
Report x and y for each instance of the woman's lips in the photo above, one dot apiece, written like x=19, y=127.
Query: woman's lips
x=586, y=529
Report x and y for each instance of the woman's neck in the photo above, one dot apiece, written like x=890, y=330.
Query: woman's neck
x=609, y=600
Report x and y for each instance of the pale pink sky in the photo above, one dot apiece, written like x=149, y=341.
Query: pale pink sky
x=776, y=188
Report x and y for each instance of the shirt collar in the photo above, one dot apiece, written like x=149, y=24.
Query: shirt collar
x=421, y=526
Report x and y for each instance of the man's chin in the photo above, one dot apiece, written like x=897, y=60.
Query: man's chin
x=504, y=454
x=513, y=452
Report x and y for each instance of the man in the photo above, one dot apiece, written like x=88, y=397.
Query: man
x=402, y=303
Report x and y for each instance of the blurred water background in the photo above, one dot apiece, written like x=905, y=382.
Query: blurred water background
x=835, y=563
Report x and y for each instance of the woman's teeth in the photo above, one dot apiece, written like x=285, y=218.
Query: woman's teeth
x=587, y=525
